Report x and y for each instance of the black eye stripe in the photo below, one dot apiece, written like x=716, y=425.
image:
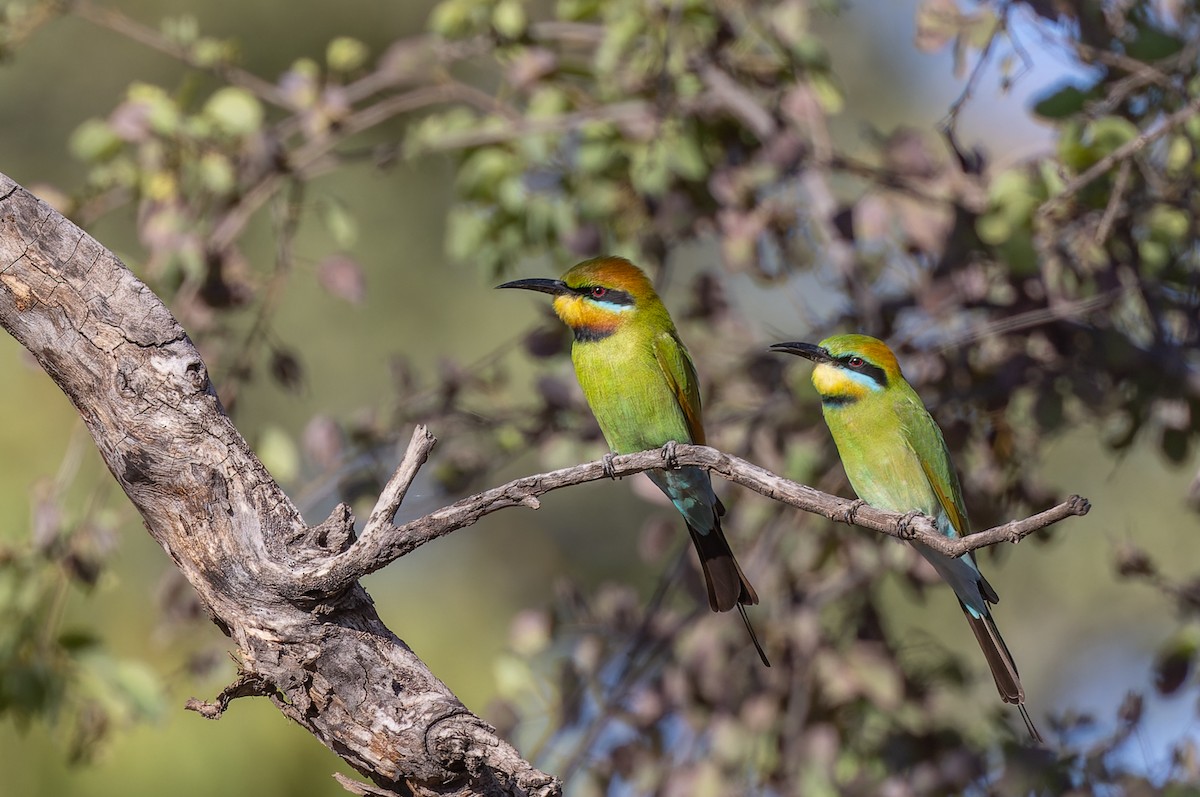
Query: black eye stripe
x=611, y=295
x=869, y=368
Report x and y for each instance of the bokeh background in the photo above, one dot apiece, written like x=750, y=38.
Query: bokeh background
x=1082, y=637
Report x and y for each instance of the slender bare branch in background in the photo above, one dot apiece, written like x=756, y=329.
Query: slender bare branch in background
x=1122, y=153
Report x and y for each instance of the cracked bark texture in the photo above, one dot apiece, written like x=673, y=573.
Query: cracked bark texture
x=325, y=660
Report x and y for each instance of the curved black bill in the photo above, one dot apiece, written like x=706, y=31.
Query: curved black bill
x=552, y=287
x=808, y=351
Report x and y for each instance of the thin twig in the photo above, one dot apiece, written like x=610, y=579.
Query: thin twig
x=115, y=21
x=390, y=498
x=304, y=160
x=1121, y=153
x=950, y=122
x=1114, y=202
x=247, y=684
x=615, y=112
x=361, y=789
x=288, y=227
x=1068, y=310
x=369, y=555
x=1140, y=73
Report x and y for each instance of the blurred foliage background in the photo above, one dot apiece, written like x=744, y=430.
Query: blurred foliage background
x=325, y=194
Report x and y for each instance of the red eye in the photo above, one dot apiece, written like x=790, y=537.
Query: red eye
x=856, y=362
x=599, y=292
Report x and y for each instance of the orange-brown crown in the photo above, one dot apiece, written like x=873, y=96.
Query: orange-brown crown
x=605, y=294
x=610, y=272
x=873, y=350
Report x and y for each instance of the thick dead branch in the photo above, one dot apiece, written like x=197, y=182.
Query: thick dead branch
x=144, y=394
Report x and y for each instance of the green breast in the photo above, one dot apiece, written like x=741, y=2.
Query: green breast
x=628, y=392
x=882, y=466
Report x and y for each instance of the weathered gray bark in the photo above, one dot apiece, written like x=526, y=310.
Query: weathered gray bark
x=325, y=659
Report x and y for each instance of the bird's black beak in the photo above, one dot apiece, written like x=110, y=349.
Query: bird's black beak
x=808, y=351
x=552, y=287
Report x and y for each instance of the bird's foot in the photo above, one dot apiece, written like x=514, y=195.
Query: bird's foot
x=669, y=456
x=851, y=510
x=904, y=529
x=610, y=470
x=1015, y=535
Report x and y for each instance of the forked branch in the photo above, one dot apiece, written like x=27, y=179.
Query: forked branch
x=382, y=544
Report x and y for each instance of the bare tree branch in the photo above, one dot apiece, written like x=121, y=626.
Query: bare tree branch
x=376, y=551
x=143, y=392
x=380, y=520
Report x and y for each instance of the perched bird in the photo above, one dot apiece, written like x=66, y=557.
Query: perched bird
x=896, y=459
x=640, y=383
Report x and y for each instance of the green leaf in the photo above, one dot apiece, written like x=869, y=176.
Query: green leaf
x=345, y=54
x=1167, y=223
x=94, y=141
x=1064, y=102
x=1179, y=154
x=1174, y=444
x=828, y=95
x=1110, y=132
x=1072, y=152
x=1154, y=255
x=594, y=157
x=686, y=158
x=182, y=29
x=455, y=18
x=217, y=173
x=161, y=109
x=993, y=228
x=548, y=101
x=77, y=640
x=340, y=223
x=482, y=171
x=467, y=230
x=278, y=453
x=1152, y=44
x=513, y=677
x=234, y=111
x=1174, y=661
x=578, y=10
x=508, y=18
x=210, y=52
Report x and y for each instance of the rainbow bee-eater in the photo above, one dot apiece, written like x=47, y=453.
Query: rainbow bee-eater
x=639, y=382
x=896, y=459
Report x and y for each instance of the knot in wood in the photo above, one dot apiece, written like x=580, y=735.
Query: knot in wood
x=197, y=375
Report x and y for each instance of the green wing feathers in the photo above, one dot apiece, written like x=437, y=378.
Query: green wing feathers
x=680, y=374
x=927, y=442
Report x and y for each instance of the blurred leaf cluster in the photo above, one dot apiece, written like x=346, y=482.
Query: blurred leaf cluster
x=1023, y=301
x=61, y=674
x=632, y=127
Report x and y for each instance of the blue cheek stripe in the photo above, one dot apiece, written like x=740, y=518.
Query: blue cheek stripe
x=612, y=307
x=866, y=380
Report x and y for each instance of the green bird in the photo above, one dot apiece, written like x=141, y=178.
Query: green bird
x=896, y=459
x=639, y=381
